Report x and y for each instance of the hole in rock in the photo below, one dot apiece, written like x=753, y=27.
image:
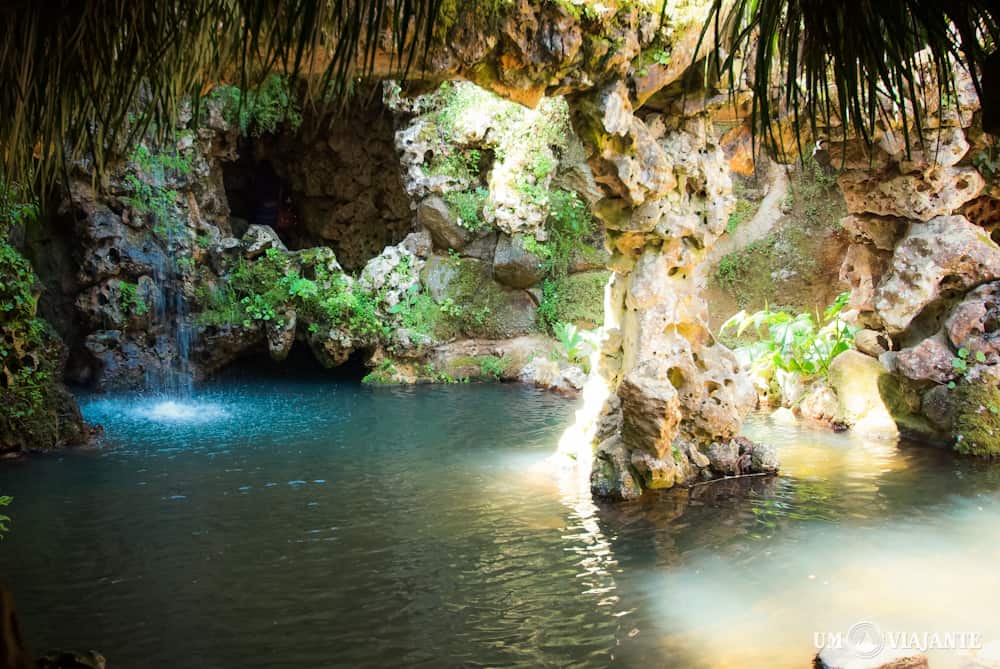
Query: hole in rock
x=300, y=364
x=334, y=181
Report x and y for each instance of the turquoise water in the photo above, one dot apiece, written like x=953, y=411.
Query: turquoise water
x=318, y=523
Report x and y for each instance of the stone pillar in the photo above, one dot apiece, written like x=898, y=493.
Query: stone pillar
x=674, y=389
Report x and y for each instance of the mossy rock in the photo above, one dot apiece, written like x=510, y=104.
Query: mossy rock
x=481, y=306
x=977, y=423
x=579, y=299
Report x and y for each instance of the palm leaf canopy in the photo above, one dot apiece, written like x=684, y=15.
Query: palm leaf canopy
x=81, y=77
x=856, y=63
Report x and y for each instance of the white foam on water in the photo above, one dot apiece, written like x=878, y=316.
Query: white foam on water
x=173, y=411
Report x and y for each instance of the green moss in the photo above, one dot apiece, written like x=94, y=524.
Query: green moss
x=756, y=274
x=977, y=423
x=576, y=299
x=482, y=301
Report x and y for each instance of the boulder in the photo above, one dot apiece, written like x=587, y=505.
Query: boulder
x=820, y=404
x=879, y=231
x=656, y=474
x=435, y=216
x=947, y=253
x=872, y=342
x=764, y=459
x=855, y=378
x=975, y=323
x=258, y=239
x=419, y=244
x=89, y=659
x=651, y=409
x=930, y=360
x=724, y=457
x=515, y=266
x=921, y=196
x=611, y=476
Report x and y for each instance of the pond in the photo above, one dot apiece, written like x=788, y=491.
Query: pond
x=275, y=522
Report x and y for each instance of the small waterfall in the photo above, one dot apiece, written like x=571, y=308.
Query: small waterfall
x=171, y=329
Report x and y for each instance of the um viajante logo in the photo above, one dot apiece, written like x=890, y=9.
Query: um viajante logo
x=865, y=640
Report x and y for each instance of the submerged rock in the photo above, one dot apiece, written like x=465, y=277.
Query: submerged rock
x=89, y=659
x=612, y=476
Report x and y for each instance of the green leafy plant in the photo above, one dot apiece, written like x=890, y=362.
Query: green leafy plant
x=796, y=343
x=467, y=206
x=130, y=300
x=490, y=366
x=575, y=344
x=960, y=362
x=383, y=374
x=261, y=110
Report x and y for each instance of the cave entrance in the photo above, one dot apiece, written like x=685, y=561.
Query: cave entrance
x=300, y=364
x=333, y=181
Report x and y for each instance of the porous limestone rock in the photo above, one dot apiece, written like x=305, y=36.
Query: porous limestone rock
x=930, y=360
x=820, y=404
x=862, y=269
x=612, y=476
x=651, y=409
x=880, y=231
x=975, y=323
x=922, y=196
x=948, y=253
x=258, y=239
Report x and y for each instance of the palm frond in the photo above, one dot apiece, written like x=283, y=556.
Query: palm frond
x=84, y=77
x=850, y=63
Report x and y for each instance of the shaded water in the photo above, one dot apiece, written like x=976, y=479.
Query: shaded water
x=317, y=524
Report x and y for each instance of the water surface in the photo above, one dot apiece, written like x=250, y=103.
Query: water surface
x=318, y=523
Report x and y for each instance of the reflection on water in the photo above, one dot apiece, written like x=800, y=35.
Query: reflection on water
x=314, y=523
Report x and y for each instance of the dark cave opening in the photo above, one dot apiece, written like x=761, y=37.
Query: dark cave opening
x=335, y=181
x=300, y=364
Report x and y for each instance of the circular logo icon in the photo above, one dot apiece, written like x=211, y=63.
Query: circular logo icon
x=865, y=639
